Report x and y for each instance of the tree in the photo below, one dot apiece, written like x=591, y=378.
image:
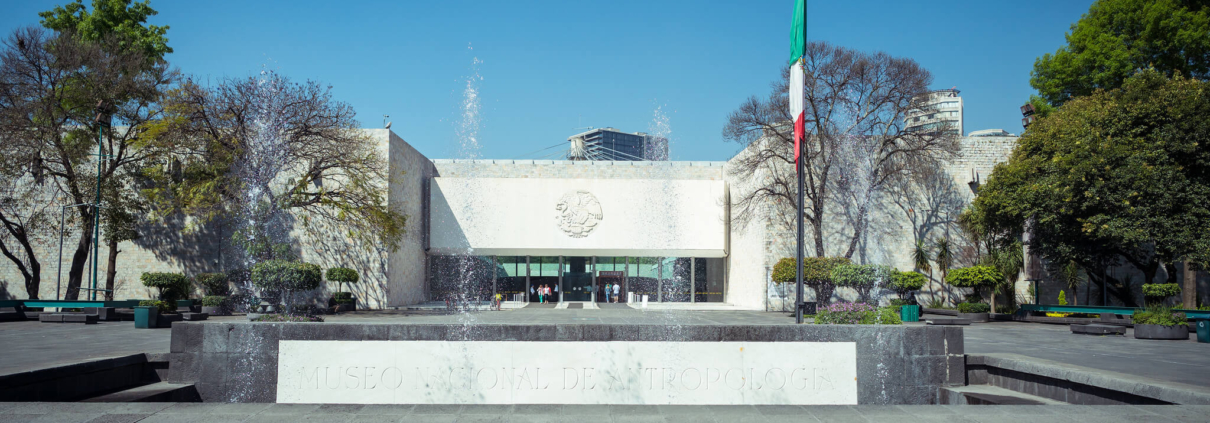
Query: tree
x=975, y=277
x=112, y=17
x=271, y=150
x=944, y=258
x=1117, y=38
x=861, y=277
x=50, y=85
x=1008, y=262
x=1070, y=274
x=1119, y=175
x=856, y=142
x=120, y=218
x=904, y=283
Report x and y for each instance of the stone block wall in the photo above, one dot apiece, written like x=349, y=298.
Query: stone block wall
x=237, y=362
x=566, y=169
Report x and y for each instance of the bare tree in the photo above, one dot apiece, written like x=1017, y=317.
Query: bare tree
x=857, y=140
x=263, y=145
x=50, y=85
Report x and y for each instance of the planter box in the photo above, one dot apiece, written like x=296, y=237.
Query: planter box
x=146, y=317
x=1180, y=332
x=165, y=320
x=216, y=311
x=342, y=307
x=909, y=313
x=974, y=317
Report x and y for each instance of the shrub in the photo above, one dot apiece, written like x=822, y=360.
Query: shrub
x=816, y=273
x=974, y=277
x=213, y=300
x=343, y=297
x=1158, y=292
x=1062, y=297
x=343, y=275
x=904, y=283
x=213, y=284
x=973, y=308
x=171, y=286
x=280, y=275
x=856, y=314
x=1159, y=315
x=861, y=277
x=164, y=307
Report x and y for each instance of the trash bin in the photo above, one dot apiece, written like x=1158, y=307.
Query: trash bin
x=146, y=317
x=909, y=313
x=1203, y=330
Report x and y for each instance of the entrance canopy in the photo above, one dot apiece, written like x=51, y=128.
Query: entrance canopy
x=578, y=217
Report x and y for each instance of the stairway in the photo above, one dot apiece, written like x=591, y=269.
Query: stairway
x=133, y=378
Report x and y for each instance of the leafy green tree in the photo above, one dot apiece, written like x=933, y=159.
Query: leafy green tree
x=904, y=283
x=109, y=17
x=1117, y=38
x=861, y=277
x=975, y=277
x=1117, y=175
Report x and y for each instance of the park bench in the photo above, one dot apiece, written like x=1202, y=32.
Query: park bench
x=1099, y=310
x=104, y=310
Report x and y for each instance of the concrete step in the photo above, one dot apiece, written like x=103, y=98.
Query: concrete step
x=990, y=395
x=1096, y=329
x=155, y=392
x=1075, y=384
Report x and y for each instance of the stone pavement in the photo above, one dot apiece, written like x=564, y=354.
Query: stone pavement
x=1172, y=361
x=198, y=412
x=32, y=345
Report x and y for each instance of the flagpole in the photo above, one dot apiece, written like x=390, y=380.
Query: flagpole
x=798, y=168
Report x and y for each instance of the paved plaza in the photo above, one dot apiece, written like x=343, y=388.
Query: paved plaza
x=209, y=412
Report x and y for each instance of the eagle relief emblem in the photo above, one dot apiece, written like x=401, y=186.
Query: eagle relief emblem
x=579, y=212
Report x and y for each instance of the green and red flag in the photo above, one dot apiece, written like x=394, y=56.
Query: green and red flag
x=798, y=46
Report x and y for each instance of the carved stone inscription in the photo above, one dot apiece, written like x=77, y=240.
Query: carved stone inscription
x=619, y=372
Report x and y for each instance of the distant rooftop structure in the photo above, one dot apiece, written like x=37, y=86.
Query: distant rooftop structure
x=942, y=109
x=991, y=133
x=609, y=144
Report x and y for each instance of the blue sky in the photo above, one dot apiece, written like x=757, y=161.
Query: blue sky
x=551, y=67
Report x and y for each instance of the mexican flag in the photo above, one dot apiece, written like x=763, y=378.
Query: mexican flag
x=798, y=46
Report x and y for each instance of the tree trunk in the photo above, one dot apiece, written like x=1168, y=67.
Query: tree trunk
x=1189, y=290
x=112, y=270
x=32, y=274
x=79, y=260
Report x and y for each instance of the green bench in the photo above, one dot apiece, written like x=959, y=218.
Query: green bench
x=1124, y=311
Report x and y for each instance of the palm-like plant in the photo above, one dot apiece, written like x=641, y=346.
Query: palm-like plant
x=923, y=262
x=1009, y=261
x=944, y=259
x=1071, y=275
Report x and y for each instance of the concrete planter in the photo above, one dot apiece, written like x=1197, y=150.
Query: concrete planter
x=974, y=317
x=1180, y=332
x=165, y=320
x=342, y=307
x=146, y=317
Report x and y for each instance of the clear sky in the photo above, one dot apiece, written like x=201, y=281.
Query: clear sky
x=548, y=68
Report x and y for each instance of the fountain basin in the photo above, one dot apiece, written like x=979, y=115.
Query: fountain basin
x=371, y=363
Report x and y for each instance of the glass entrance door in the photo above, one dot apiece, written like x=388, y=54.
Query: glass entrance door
x=577, y=279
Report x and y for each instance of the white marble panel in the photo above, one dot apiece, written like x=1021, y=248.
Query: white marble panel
x=618, y=372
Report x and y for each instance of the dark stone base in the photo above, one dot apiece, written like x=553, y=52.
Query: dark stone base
x=974, y=317
x=948, y=322
x=1180, y=332
x=88, y=319
x=237, y=361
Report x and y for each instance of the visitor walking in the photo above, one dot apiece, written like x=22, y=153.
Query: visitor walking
x=605, y=292
x=617, y=289
x=542, y=294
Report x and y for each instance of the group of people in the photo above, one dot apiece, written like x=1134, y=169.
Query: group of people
x=612, y=291
x=543, y=292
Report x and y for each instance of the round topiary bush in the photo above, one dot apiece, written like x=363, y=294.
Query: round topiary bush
x=1154, y=293
x=213, y=283
x=904, y=283
x=861, y=277
x=281, y=275
x=164, y=307
x=171, y=286
x=973, y=308
x=342, y=275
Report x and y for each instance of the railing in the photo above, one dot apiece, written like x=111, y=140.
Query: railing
x=69, y=303
x=1125, y=311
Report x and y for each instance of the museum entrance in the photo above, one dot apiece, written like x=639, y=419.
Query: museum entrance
x=577, y=279
x=606, y=282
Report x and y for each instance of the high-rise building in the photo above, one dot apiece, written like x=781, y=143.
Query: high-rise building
x=991, y=133
x=612, y=144
x=942, y=109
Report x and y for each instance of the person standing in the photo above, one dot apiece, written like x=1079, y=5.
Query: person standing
x=542, y=294
x=617, y=289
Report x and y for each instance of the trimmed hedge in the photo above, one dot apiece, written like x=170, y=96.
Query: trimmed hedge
x=213, y=283
x=171, y=286
x=904, y=283
x=213, y=300
x=973, y=277
x=856, y=314
x=974, y=308
x=164, y=307
x=342, y=275
x=1159, y=315
x=861, y=277
x=1160, y=291
x=286, y=275
x=816, y=273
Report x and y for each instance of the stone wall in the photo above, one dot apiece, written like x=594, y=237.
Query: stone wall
x=238, y=362
x=566, y=169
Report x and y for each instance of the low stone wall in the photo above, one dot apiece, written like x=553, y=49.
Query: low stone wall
x=238, y=362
